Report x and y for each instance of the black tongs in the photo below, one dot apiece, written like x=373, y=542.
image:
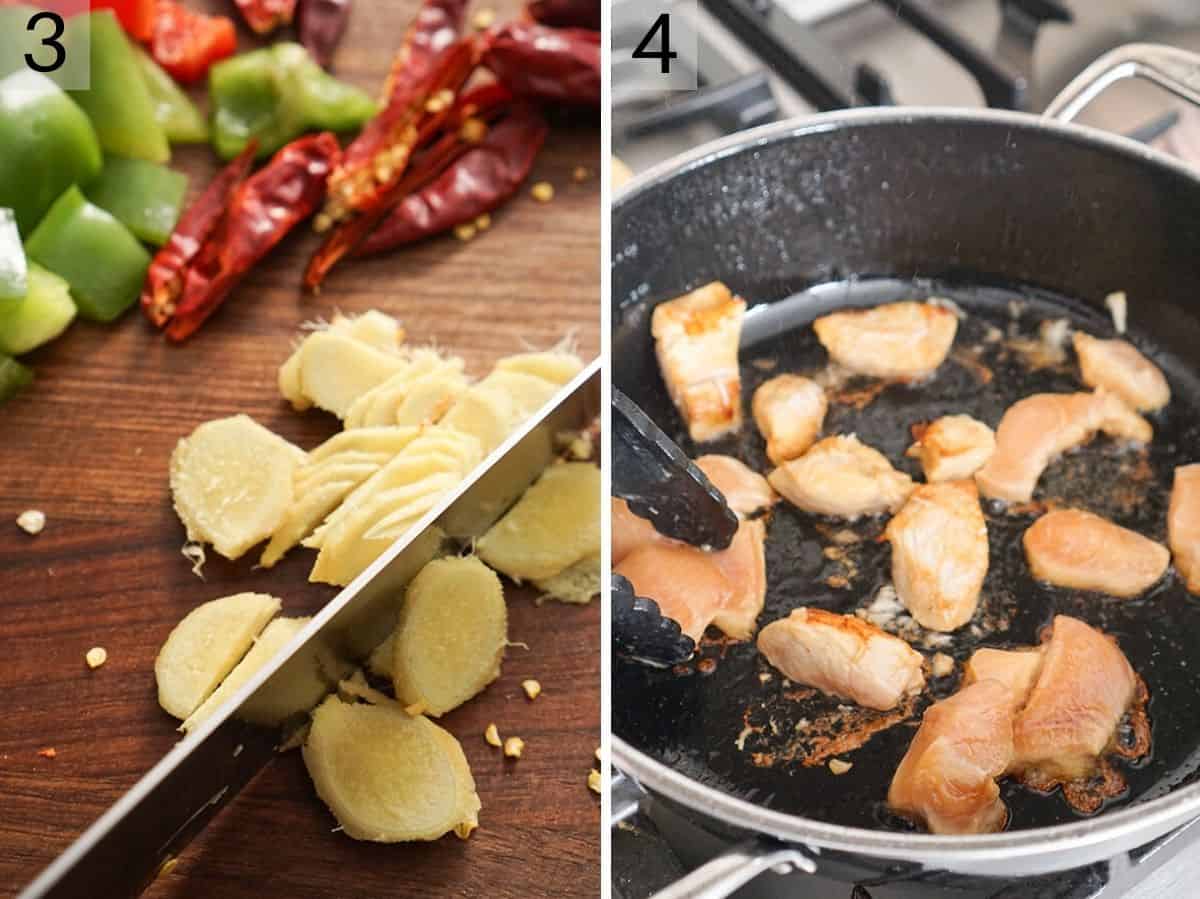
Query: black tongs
x=665, y=487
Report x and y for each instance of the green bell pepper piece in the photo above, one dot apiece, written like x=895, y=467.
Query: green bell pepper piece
x=174, y=110
x=14, y=377
x=14, y=280
x=104, y=264
x=118, y=102
x=46, y=145
x=41, y=316
x=146, y=198
x=276, y=94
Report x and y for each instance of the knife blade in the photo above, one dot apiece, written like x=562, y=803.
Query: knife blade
x=123, y=851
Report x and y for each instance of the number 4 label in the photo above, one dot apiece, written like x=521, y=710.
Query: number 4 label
x=664, y=53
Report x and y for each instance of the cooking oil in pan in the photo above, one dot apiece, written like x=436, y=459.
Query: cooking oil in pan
x=730, y=720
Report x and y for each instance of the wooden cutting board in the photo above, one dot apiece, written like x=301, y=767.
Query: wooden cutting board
x=89, y=445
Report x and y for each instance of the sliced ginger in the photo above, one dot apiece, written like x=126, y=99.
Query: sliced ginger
x=335, y=370
x=382, y=332
x=451, y=635
x=296, y=687
x=333, y=471
x=231, y=481
x=484, y=412
x=205, y=646
x=420, y=393
x=555, y=366
x=553, y=526
x=388, y=776
x=575, y=584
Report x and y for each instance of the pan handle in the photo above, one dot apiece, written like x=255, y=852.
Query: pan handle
x=1175, y=70
x=735, y=867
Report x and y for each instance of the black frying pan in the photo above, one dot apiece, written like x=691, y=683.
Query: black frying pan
x=865, y=207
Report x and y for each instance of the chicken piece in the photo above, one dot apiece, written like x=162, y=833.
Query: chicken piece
x=1118, y=366
x=745, y=490
x=843, y=656
x=1035, y=430
x=630, y=531
x=789, y=411
x=1085, y=686
x=900, y=340
x=940, y=554
x=694, y=587
x=842, y=477
x=696, y=339
x=953, y=447
x=1183, y=524
x=947, y=779
x=1073, y=548
x=1017, y=669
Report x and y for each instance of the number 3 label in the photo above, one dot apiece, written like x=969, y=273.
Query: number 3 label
x=51, y=41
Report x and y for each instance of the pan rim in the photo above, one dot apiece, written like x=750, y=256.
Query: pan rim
x=1131, y=826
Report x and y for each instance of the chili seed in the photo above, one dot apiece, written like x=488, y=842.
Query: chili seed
x=465, y=231
x=96, y=656
x=543, y=191
x=32, y=521
x=491, y=736
x=513, y=747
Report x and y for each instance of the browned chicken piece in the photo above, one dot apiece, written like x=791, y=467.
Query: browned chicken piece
x=630, y=532
x=1083, y=689
x=1183, y=524
x=953, y=447
x=1036, y=430
x=789, y=411
x=843, y=656
x=696, y=338
x=1118, y=366
x=694, y=587
x=1017, y=669
x=842, y=477
x=947, y=779
x=1073, y=548
x=687, y=583
x=940, y=554
x=745, y=490
x=900, y=340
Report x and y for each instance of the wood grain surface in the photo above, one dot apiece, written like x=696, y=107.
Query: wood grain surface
x=89, y=445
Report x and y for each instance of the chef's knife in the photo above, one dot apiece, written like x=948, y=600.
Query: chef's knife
x=121, y=853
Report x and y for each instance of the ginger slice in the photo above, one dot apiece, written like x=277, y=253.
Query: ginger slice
x=324, y=483
x=373, y=328
x=336, y=369
x=451, y=635
x=554, y=525
x=528, y=392
x=387, y=776
x=556, y=366
x=420, y=393
x=575, y=584
x=205, y=646
x=231, y=481
x=484, y=412
x=379, y=662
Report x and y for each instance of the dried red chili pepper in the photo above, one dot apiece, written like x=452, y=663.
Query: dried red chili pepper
x=482, y=178
x=426, y=63
x=164, y=278
x=265, y=16
x=565, y=13
x=554, y=65
x=264, y=208
x=480, y=105
x=322, y=24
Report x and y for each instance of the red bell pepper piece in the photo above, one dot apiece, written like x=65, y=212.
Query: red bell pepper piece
x=187, y=43
x=565, y=13
x=262, y=210
x=135, y=16
x=164, y=278
x=554, y=65
x=264, y=16
x=482, y=178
